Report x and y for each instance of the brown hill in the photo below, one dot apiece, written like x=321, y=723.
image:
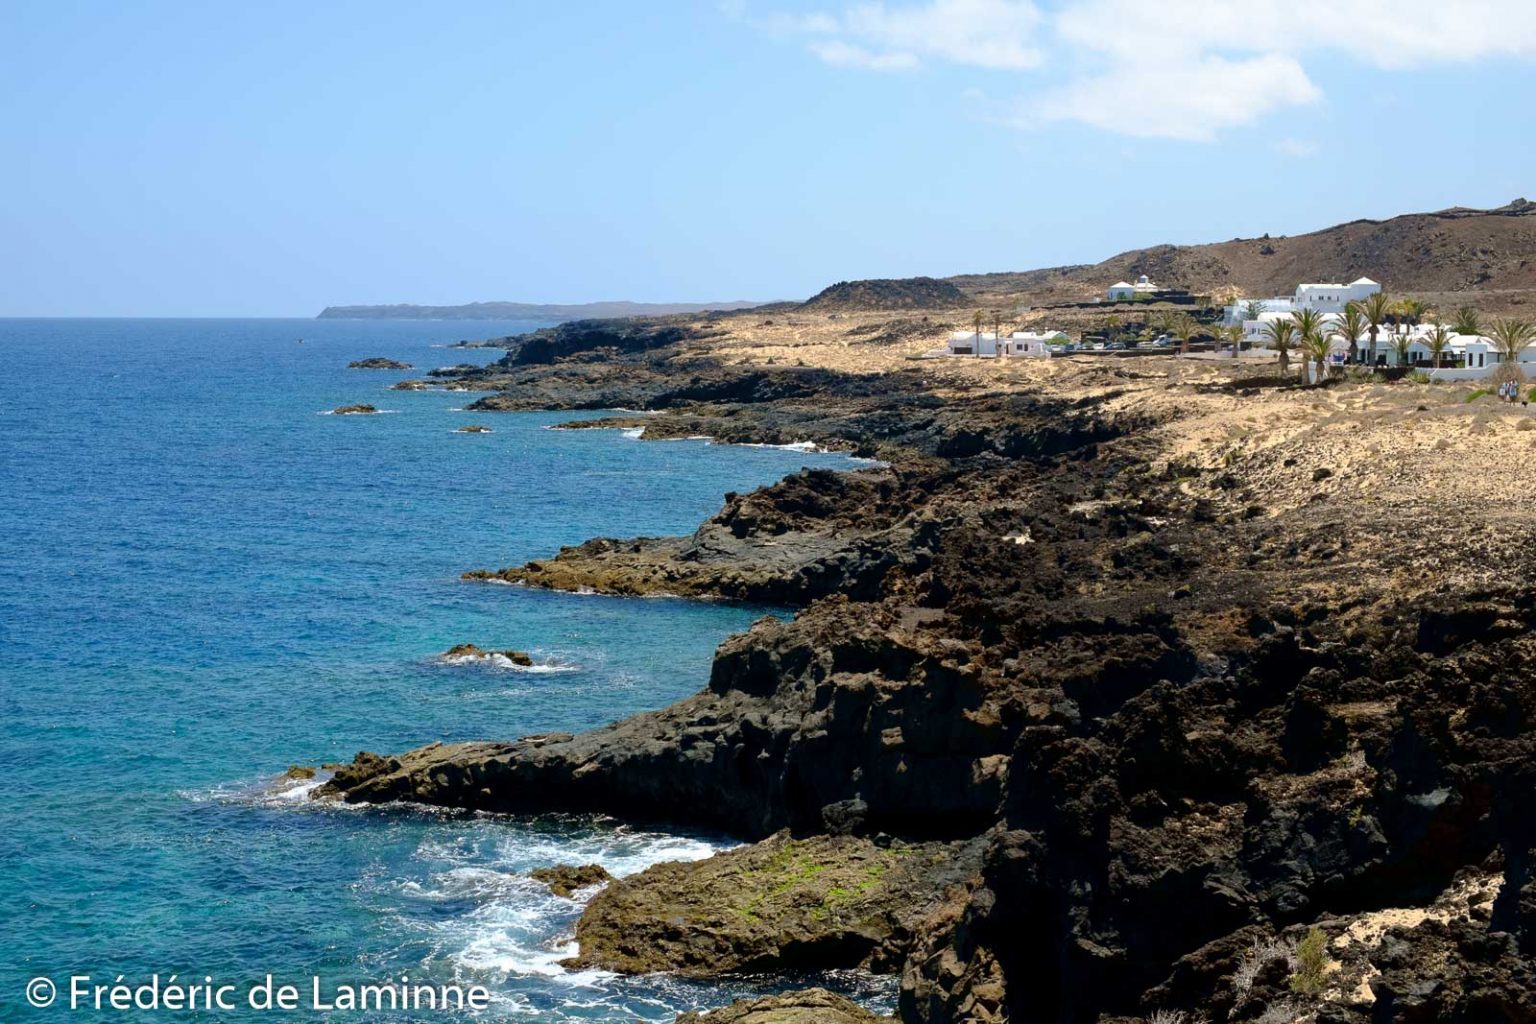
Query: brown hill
x=880, y=293
x=1452, y=251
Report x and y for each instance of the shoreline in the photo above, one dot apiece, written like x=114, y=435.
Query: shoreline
x=1165, y=674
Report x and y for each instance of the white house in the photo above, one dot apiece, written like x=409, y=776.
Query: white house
x=1467, y=357
x=1122, y=291
x=984, y=343
x=1033, y=344
x=972, y=343
x=1324, y=298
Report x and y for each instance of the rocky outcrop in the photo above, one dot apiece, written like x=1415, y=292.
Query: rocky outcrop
x=564, y=880
x=783, y=904
x=469, y=652
x=814, y=533
x=905, y=293
x=378, y=363
x=473, y=428
x=1201, y=757
x=353, y=410
x=807, y=1006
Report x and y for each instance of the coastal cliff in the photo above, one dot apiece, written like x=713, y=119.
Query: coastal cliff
x=1170, y=711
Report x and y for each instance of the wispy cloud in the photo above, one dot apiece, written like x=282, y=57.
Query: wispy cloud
x=1177, y=69
x=1193, y=100
x=1301, y=149
x=998, y=35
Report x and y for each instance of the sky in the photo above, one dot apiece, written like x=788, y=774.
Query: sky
x=212, y=159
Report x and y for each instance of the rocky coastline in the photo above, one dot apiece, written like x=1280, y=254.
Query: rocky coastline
x=1086, y=711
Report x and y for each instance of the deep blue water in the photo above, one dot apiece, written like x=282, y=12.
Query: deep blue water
x=204, y=580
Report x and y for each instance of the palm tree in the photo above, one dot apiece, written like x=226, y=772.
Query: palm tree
x=1437, y=342
x=1309, y=334
x=1376, y=309
x=976, y=321
x=1282, y=338
x=1467, y=322
x=1234, y=334
x=1410, y=312
x=1185, y=329
x=1351, y=327
x=1318, y=346
x=1253, y=309
x=1511, y=337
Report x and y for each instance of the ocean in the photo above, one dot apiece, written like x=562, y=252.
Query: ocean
x=205, y=579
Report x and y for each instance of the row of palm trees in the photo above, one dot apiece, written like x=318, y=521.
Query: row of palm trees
x=1306, y=332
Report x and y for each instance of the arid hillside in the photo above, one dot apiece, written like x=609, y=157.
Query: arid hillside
x=1487, y=256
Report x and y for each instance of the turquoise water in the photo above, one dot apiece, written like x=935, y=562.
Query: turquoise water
x=203, y=580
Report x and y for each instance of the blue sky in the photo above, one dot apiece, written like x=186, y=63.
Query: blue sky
x=270, y=159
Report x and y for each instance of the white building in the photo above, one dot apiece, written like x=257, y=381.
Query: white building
x=1029, y=344
x=1467, y=357
x=972, y=343
x=1033, y=344
x=1122, y=291
x=1324, y=298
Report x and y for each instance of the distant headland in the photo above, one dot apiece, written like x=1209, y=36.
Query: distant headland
x=525, y=310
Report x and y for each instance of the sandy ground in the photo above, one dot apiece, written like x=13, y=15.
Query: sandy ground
x=1405, y=454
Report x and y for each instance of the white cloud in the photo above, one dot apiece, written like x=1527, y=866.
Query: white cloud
x=1301, y=149
x=1192, y=100
x=1179, y=69
x=993, y=34
x=835, y=51
x=1384, y=33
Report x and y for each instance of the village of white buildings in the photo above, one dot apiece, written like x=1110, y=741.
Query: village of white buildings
x=1321, y=330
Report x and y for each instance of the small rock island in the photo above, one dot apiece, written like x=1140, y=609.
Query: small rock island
x=354, y=410
x=469, y=652
x=378, y=363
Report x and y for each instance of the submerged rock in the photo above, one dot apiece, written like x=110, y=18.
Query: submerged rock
x=410, y=385
x=806, y=1006
x=473, y=428
x=565, y=879
x=299, y=772
x=470, y=652
x=353, y=410
x=378, y=363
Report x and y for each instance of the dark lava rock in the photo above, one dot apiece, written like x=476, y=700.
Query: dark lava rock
x=473, y=428
x=470, y=651
x=353, y=410
x=565, y=879
x=378, y=363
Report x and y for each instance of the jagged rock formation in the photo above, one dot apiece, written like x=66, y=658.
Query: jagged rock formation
x=1180, y=732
